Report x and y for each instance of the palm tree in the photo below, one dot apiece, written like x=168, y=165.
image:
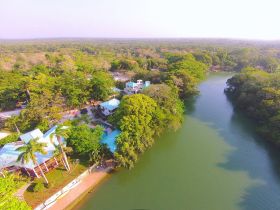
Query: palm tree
x=61, y=132
x=57, y=153
x=26, y=85
x=28, y=153
x=12, y=122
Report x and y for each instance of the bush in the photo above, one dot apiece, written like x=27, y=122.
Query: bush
x=38, y=187
x=49, y=185
x=8, y=139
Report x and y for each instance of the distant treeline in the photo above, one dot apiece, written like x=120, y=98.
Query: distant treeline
x=230, y=55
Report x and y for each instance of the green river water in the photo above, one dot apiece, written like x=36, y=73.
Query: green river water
x=214, y=162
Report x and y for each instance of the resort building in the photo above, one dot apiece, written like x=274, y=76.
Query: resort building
x=107, y=108
x=31, y=135
x=9, y=154
x=133, y=88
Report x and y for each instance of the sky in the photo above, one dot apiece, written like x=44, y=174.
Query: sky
x=239, y=19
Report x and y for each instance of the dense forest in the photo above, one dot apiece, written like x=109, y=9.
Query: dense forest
x=45, y=78
x=257, y=93
x=48, y=77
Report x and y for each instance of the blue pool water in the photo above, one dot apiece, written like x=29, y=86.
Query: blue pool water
x=110, y=140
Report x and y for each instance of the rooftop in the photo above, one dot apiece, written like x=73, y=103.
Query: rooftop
x=131, y=84
x=31, y=135
x=111, y=104
x=9, y=155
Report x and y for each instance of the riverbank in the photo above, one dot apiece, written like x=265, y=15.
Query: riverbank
x=85, y=186
x=215, y=161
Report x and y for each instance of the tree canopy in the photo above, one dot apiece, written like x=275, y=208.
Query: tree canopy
x=8, y=186
x=257, y=93
x=85, y=141
x=101, y=84
x=137, y=117
x=169, y=102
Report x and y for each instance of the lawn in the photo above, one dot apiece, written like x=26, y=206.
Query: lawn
x=57, y=178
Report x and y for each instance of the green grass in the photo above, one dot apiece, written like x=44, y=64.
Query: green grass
x=57, y=178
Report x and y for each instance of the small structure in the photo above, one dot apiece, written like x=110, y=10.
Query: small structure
x=9, y=154
x=133, y=88
x=109, y=138
x=107, y=108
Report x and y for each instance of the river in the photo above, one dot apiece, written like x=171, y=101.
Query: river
x=214, y=162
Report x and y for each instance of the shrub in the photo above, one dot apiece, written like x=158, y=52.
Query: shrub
x=8, y=139
x=38, y=187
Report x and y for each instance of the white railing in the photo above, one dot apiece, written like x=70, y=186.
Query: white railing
x=51, y=200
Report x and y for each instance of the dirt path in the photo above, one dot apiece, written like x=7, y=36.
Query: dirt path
x=21, y=191
x=86, y=185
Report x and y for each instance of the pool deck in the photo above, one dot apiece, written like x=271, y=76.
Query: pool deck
x=77, y=193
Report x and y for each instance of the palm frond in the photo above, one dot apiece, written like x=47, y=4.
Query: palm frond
x=28, y=151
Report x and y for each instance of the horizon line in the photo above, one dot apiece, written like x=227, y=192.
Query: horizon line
x=142, y=38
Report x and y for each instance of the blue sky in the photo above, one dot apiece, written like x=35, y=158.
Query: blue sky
x=246, y=19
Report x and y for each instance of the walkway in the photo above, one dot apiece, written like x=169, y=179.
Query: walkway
x=85, y=186
x=20, y=192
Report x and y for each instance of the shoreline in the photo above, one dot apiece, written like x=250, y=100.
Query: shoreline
x=75, y=195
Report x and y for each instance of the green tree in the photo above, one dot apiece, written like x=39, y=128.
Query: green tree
x=190, y=65
x=185, y=83
x=101, y=85
x=137, y=117
x=8, y=139
x=169, y=102
x=75, y=88
x=12, y=124
x=28, y=154
x=257, y=93
x=85, y=141
x=9, y=91
x=8, y=186
x=43, y=110
x=61, y=132
x=203, y=57
x=184, y=72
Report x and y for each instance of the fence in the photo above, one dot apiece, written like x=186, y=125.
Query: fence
x=51, y=201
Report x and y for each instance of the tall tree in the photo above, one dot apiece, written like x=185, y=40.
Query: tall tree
x=101, y=85
x=61, y=132
x=85, y=141
x=169, y=102
x=257, y=93
x=137, y=117
x=28, y=153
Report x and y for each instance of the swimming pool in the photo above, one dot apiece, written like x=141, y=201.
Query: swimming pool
x=110, y=139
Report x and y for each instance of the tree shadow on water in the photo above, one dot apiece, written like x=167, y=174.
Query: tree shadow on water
x=256, y=156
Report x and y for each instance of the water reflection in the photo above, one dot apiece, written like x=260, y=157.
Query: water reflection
x=252, y=154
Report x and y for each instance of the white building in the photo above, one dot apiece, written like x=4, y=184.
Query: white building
x=107, y=108
x=132, y=87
